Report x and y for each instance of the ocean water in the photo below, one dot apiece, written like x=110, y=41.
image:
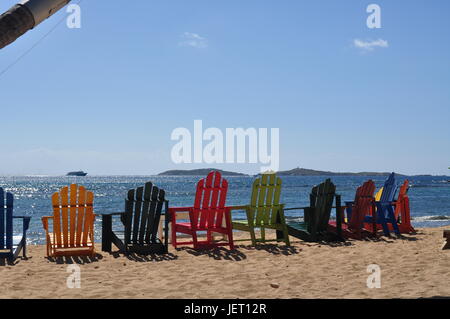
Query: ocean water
x=429, y=196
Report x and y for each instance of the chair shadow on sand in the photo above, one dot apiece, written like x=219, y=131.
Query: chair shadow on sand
x=4, y=261
x=80, y=260
x=377, y=239
x=274, y=249
x=145, y=258
x=217, y=253
x=392, y=239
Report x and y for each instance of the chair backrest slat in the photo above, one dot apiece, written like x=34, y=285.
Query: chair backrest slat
x=214, y=204
x=64, y=215
x=223, y=189
x=403, y=191
x=146, y=212
x=261, y=210
x=267, y=217
x=6, y=219
x=206, y=190
x=156, y=206
x=89, y=219
x=73, y=214
x=137, y=213
x=402, y=197
x=127, y=219
x=81, y=214
x=2, y=219
x=9, y=220
x=56, y=202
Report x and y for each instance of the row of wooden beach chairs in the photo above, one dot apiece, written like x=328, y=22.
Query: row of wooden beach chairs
x=147, y=218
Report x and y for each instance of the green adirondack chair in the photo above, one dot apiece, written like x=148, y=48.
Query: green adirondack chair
x=264, y=211
x=317, y=215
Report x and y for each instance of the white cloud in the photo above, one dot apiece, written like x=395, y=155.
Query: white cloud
x=370, y=45
x=194, y=40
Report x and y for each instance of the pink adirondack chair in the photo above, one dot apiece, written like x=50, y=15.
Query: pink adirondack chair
x=208, y=214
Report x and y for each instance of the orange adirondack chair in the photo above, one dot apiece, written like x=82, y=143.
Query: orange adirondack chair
x=402, y=210
x=73, y=223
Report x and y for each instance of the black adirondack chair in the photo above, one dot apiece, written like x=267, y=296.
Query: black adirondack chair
x=316, y=217
x=143, y=209
x=447, y=237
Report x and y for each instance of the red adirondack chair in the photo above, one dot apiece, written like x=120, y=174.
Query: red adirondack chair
x=402, y=211
x=207, y=214
x=362, y=206
x=357, y=210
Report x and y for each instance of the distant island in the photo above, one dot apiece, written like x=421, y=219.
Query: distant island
x=198, y=172
x=292, y=172
x=311, y=172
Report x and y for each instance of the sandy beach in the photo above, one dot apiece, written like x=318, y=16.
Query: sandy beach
x=411, y=267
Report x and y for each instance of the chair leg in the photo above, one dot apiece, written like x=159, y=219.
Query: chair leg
x=393, y=220
x=263, y=234
x=252, y=235
x=286, y=235
x=195, y=240
x=174, y=236
x=209, y=237
x=382, y=221
x=230, y=241
x=230, y=230
x=48, y=249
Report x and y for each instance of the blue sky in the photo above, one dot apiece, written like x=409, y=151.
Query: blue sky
x=105, y=98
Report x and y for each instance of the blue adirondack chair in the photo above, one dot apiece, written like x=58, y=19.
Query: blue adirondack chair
x=385, y=210
x=10, y=245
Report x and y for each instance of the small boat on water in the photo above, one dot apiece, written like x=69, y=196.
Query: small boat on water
x=78, y=173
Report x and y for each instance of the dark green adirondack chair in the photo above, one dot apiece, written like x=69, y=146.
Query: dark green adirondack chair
x=264, y=211
x=143, y=209
x=316, y=217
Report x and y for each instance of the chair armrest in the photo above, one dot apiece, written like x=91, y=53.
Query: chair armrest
x=242, y=207
x=45, y=222
x=22, y=217
x=172, y=213
x=296, y=208
x=110, y=214
x=180, y=209
x=385, y=203
x=26, y=222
